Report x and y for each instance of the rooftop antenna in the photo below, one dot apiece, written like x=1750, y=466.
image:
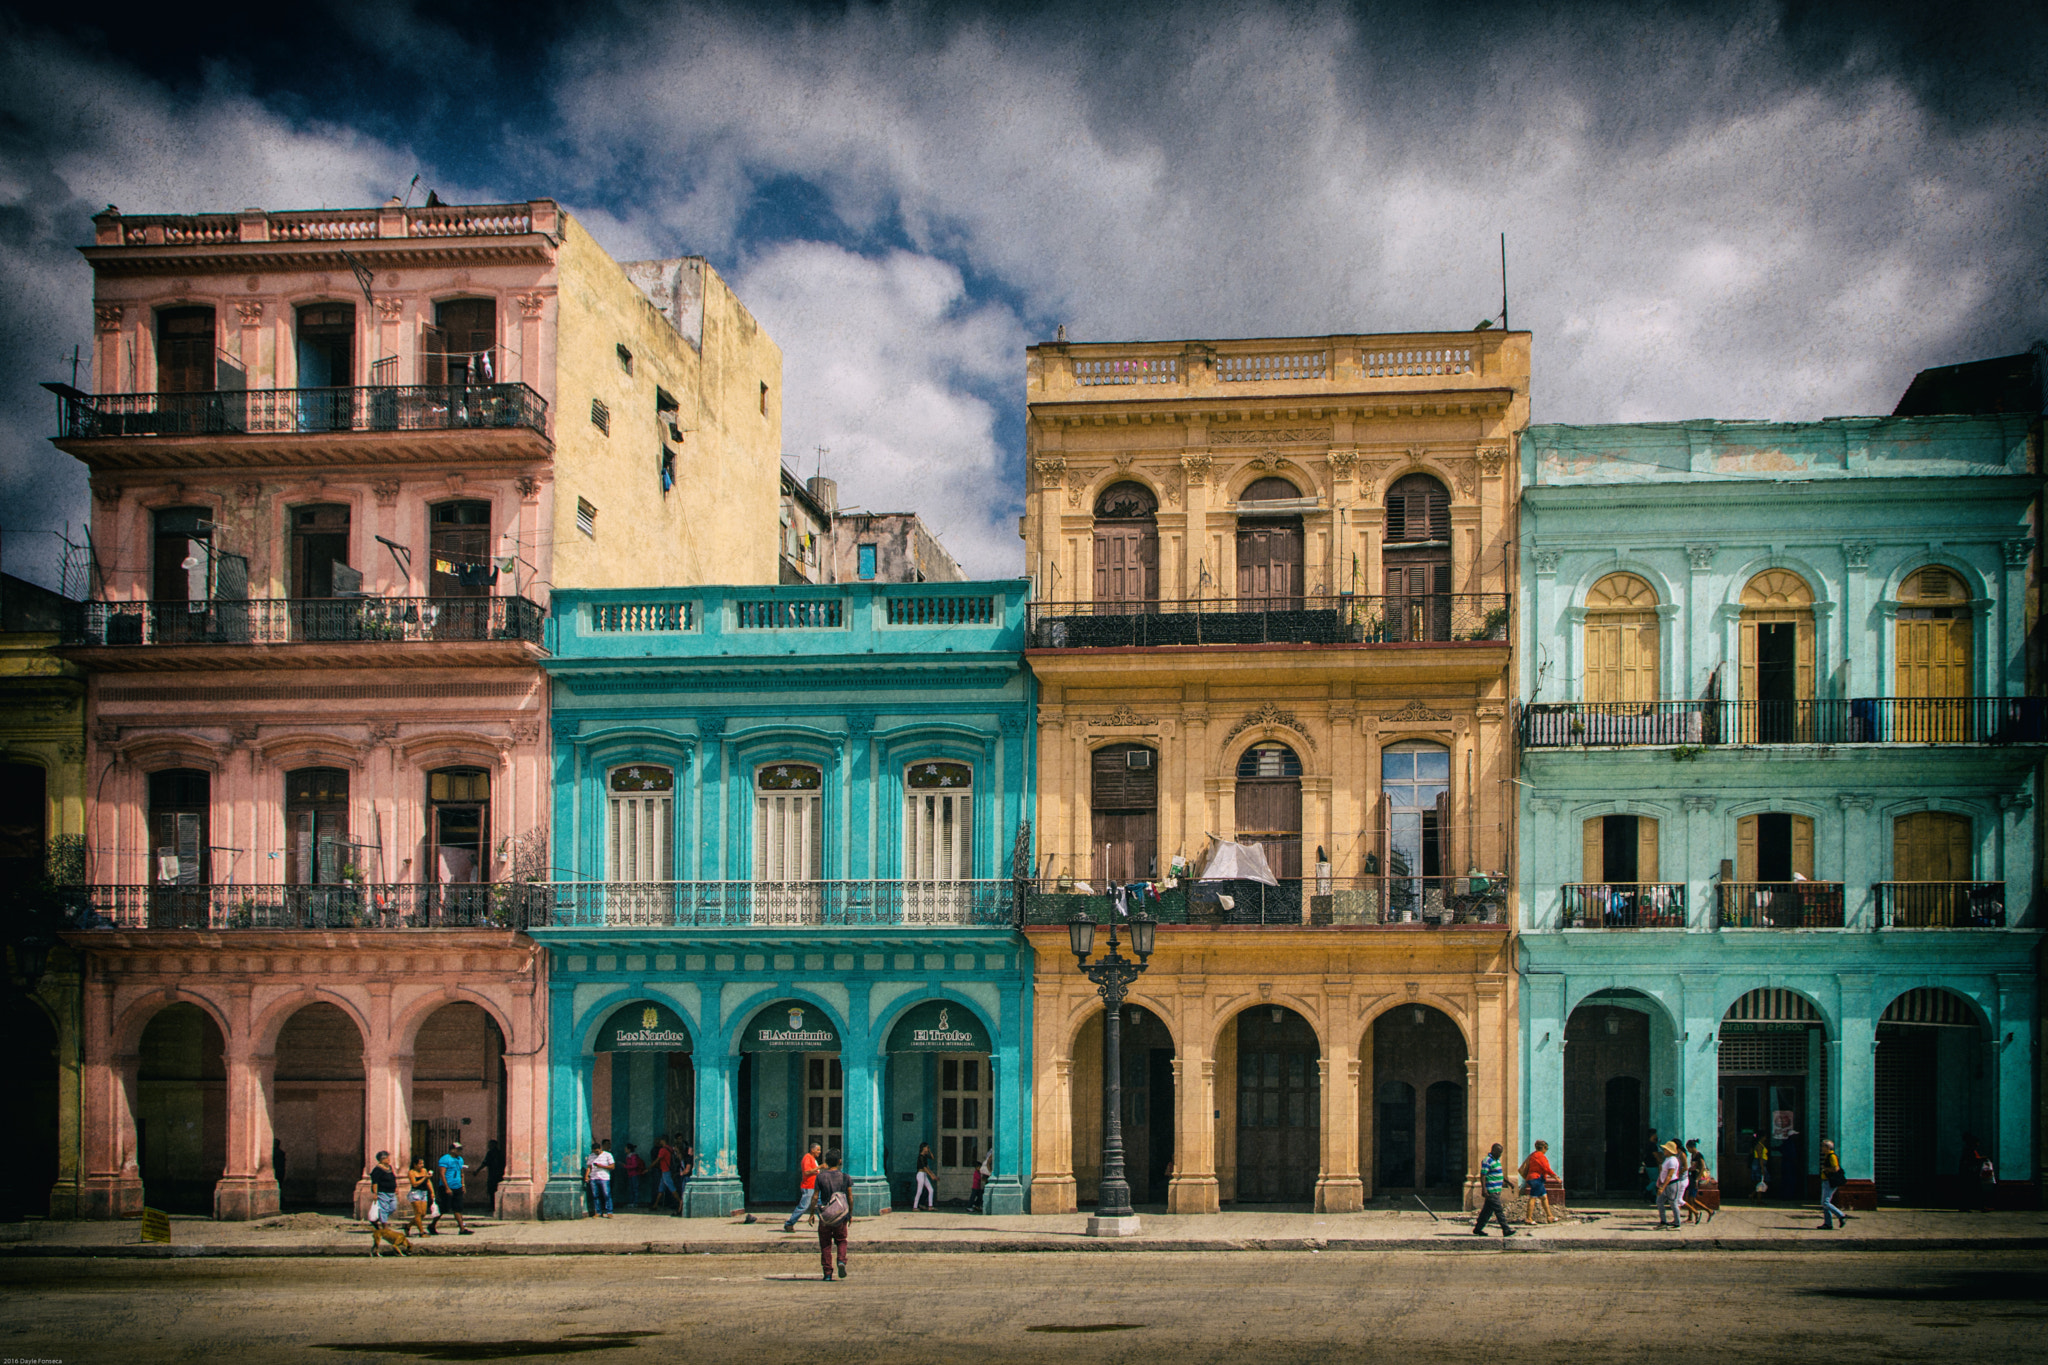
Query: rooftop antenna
x=1504, y=282
x=406, y=200
x=823, y=451
x=74, y=364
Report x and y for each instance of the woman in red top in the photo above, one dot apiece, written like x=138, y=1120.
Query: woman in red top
x=1537, y=1178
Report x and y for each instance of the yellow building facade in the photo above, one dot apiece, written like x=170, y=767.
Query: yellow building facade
x=1272, y=596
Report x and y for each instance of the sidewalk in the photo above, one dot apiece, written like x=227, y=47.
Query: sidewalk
x=1619, y=1229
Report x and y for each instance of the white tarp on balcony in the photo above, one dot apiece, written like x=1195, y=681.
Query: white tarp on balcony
x=1229, y=862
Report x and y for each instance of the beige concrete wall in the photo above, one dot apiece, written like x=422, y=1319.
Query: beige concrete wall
x=719, y=523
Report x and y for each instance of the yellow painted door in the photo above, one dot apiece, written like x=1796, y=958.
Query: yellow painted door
x=1646, y=849
x=1593, y=848
x=1745, y=849
x=1802, y=846
x=1931, y=846
x=1934, y=659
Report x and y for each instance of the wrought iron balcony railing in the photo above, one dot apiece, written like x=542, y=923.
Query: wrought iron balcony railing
x=377, y=905
x=1328, y=902
x=1437, y=618
x=986, y=904
x=251, y=412
x=1940, y=905
x=1781, y=905
x=317, y=620
x=1858, y=720
x=1623, y=905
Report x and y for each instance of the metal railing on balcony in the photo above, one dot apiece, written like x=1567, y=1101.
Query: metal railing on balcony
x=283, y=621
x=1780, y=905
x=1312, y=902
x=1940, y=905
x=1438, y=618
x=984, y=904
x=1622, y=905
x=380, y=905
x=246, y=412
x=1858, y=720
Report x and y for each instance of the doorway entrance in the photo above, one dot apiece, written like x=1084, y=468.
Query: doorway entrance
x=1418, y=1139
x=1279, y=1107
x=1773, y=1081
x=1146, y=1062
x=1606, y=1087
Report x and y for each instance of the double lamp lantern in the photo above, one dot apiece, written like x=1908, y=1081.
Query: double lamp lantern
x=1112, y=974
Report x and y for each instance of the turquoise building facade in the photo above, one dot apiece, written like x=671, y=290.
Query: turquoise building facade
x=1777, y=818
x=783, y=908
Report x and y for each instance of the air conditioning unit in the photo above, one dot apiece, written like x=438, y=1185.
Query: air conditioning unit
x=1138, y=758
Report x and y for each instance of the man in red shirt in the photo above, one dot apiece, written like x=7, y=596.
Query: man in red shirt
x=1537, y=1178
x=664, y=1179
x=808, y=1190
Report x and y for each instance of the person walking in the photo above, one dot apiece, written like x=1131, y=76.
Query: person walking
x=1537, y=1178
x=419, y=1193
x=448, y=1176
x=807, y=1188
x=1759, y=1167
x=1831, y=1180
x=1976, y=1178
x=1696, y=1178
x=686, y=1166
x=835, y=1212
x=664, y=1169
x=1670, y=1185
x=927, y=1186
x=384, y=1185
x=632, y=1168
x=981, y=1178
x=1492, y=1181
x=601, y=1164
x=494, y=1173
x=1653, y=1161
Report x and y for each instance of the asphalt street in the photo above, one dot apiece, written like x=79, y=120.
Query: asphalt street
x=1470, y=1304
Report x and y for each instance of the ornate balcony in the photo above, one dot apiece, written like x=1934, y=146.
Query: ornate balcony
x=486, y=905
x=981, y=904
x=1328, y=902
x=1860, y=720
x=1781, y=905
x=1622, y=905
x=1343, y=619
x=1940, y=905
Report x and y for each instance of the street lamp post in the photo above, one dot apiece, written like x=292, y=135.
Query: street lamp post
x=1112, y=974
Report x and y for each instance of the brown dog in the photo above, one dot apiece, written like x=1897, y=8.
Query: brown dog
x=380, y=1233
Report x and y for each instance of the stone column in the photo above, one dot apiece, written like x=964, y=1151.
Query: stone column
x=1052, y=1129
x=1543, y=1021
x=1489, y=1069
x=1700, y=849
x=2012, y=1049
x=248, y=1186
x=1194, y=1188
x=1697, y=1076
x=525, y=1139
x=716, y=1190
x=1338, y=1188
x=1004, y=1192
x=1852, y=1067
x=568, y=1071
x=861, y=1060
x=386, y=1106
x=110, y=1184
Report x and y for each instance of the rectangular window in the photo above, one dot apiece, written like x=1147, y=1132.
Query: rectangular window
x=586, y=518
x=867, y=562
x=625, y=358
x=601, y=416
x=764, y=400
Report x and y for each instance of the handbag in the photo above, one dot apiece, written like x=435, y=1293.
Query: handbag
x=836, y=1210
x=433, y=1209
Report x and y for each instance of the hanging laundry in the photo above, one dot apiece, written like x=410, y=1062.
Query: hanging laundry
x=506, y=563
x=443, y=566
x=1118, y=896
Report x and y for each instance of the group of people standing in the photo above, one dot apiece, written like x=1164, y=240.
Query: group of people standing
x=1679, y=1183
x=662, y=1178
x=431, y=1193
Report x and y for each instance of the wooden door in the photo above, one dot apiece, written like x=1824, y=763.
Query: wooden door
x=1621, y=657
x=1269, y=815
x=1931, y=846
x=824, y=1101
x=1269, y=565
x=1279, y=1116
x=184, y=350
x=1749, y=832
x=1124, y=814
x=964, y=1121
x=1126, y=562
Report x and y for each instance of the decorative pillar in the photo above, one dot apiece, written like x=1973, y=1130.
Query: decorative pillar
x=2012, y=1046
x=1700, y=850
x=110, y=1184
x=247, y=1187
x=386, y=1107
x=1852, y=1068
x=1338, y=1188
x=525, y=1099
x=1052, y=1176
x=1489, y=1069
x=568, y=1072
x=861, y=1058
x=716, y=1191
x=1004, y=1192
x=1543, y=1021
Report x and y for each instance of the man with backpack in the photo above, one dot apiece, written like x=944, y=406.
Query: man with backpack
x=835, y=1212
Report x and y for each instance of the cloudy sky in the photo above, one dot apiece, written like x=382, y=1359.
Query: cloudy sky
x=1774, y=211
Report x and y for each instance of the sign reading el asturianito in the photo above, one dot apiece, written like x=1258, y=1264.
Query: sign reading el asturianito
x=939, y=1026
x=791, y=1026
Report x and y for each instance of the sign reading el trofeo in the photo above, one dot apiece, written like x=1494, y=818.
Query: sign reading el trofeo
x=791, y=1027
x=939, y=1026
x=644, y=1027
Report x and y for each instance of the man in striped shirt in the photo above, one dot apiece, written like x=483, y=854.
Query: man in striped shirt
x=1492, y=1180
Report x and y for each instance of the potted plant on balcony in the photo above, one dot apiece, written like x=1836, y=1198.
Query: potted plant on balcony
x=243, y=915
x=1494, y=627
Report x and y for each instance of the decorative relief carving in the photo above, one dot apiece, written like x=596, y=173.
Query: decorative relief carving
x=1855, y=800
x=1123, y=459
x=1196, y=466
x=1856, y=554
x=1123, y=715
x=1074, y=496
x=1051, y=470
x=386, y=491
x=105, y=732
x=1702, y=556
x=1414, y=711
x=2015, y=801
x=1418, y=453
x=711, y=727
x=1545, y=560
x=1341, y=462
x=391, y=309
x=860, y=722
x=1699, y=804
x=525, y=731
x=2017, y=551
x=1270, y=716
x=1013, y=722
x=1173, y=488
x=72, y=751
x=1490, y=713
x=1465, y=473
x=528, y=486
x=242, y=732
x=250, y=311
x=1247, y=436
x=106, y=491
x=531, y=305
x=107, y=316
x=383, y=731
x=1491, y=458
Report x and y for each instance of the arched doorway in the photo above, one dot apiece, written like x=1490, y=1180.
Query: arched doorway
x=1931, y=1096
x=792, y=1093
x=1416, y=1136
x=317, y=1109
x=1934, y=660
x=1774, y=1086
x=1621, y=640
x=1607, y=1087
x=181, y=1127
x=1126, y=547
x=1269, y=547
x=458, y=1092
x=1777, y=660
x=1146, y=1059
x=28, y=1150
x=1415, y=560
x=1279, y=1105
x=939, y=1067
x=643, y=1088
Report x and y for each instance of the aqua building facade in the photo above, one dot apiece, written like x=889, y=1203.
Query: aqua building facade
x=1777, y=827
x=783, y=908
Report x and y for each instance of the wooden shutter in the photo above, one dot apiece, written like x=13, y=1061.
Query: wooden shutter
x=1749, y=655
x=1638, y=660
x=433, y=355
x=1593, y=850
x=1804, y=634
x=1931, y=846
x=1802, y=846
x=1603, y=661
x=1933, y=658
x=1745, y=849
x=1646, y=849
x=1446, y=861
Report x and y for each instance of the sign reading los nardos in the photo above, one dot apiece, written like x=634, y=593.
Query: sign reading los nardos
x=643, y=1026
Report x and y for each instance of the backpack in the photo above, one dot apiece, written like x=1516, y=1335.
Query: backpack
x=835, y=1211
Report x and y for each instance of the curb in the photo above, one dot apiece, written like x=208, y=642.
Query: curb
x=1039, y=1246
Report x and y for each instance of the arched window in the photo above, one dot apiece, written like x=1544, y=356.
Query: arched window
x=1269, y=805
x=1126, y=544
x=459, y=825
x=1777, y=659
x=1621, y=640
x=640, y=824
x=1415, y=561
x=1269, y=549
x=938, y=822
x=1123, y=797
x=1414, y=825
x=316, y=826
x=1933, y=638
x=789, y=823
